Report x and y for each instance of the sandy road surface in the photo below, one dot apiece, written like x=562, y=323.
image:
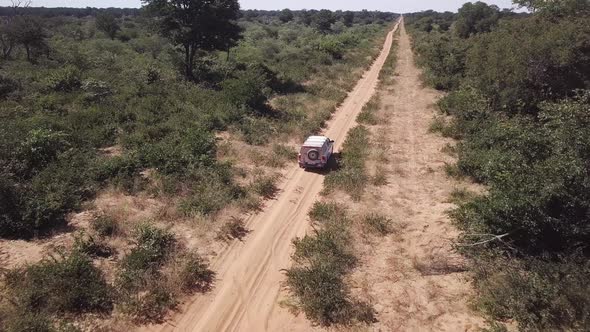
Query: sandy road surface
x=414, y=278
x=249, y=273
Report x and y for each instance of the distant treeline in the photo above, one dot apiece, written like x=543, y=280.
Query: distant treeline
x=63, y=11
x=248, y=14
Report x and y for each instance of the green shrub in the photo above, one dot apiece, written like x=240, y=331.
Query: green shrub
x=327, y=212
x=104, y=225
x=265, y=186
x=152, y=246
x=87, y=245
x=63, y=80
x=143, y=289
x=195, y=274
x=149, y=306
x=257, y=131
x=60, y=286
x=323, y=296
x=181, y=150
x=538, y=294
x=321, y=261
x=211, y=190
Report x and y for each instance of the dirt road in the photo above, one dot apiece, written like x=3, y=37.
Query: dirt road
x=249, y=273
x=413, y=278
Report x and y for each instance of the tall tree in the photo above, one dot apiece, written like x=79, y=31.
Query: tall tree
x=473, y=18
x=197, y=25
x=556, y=8
x=286, y=15
x=348, y=18
x=28, y=31
x=107, y=23
x=324, y=20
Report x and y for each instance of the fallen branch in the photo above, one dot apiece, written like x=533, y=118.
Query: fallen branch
x=494, y=237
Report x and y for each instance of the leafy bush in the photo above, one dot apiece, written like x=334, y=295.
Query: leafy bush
x=321, y=261
x=91, y=247
x=62, y=285
x=105, y=225
x=63, y=80
x=265, y=186
x=152, y=247
x=539, y=294
x=195, y=274
x=142, y=288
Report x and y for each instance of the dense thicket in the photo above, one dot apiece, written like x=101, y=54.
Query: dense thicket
x=520, y=101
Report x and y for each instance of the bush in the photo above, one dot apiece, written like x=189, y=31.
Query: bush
x=195, y=274
x=152, y=246
x=149, y=306
x=264, y=186
x=321, y=261
x=211, y=190
x=105, y=226
x=87, y=245
x=142, y=288
x=538, y=294
x=378, y=224
x=233, y=229
x=62, y=285
x=257, y=131
x=327, y=212
x=63, y=80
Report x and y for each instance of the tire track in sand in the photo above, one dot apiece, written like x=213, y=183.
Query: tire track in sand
x=249, y=273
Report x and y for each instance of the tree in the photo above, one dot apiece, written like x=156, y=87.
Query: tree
x=348, y=18
x=286, y=15
x=474, y=18
x=197, y=25
x=107, y=23
x=555, y=8
x=324, y=20
x=28, y=31
x=306, y=17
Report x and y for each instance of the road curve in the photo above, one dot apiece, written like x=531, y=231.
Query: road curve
x=249, y=273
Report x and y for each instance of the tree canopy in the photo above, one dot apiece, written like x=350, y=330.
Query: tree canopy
x=474, y=18
x=197, y=25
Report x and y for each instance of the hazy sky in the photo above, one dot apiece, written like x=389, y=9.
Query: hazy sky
x=399, y=6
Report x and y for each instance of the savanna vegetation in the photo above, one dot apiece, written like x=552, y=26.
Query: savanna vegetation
x=135, y=101
x=519, y=101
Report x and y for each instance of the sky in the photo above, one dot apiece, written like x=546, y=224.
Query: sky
x=397, y=6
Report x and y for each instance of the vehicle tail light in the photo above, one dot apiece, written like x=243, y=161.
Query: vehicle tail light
x=323, y=158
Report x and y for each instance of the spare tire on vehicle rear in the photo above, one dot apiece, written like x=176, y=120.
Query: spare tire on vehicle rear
x=313, y=154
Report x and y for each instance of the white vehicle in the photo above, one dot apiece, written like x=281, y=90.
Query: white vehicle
x=315, y=152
